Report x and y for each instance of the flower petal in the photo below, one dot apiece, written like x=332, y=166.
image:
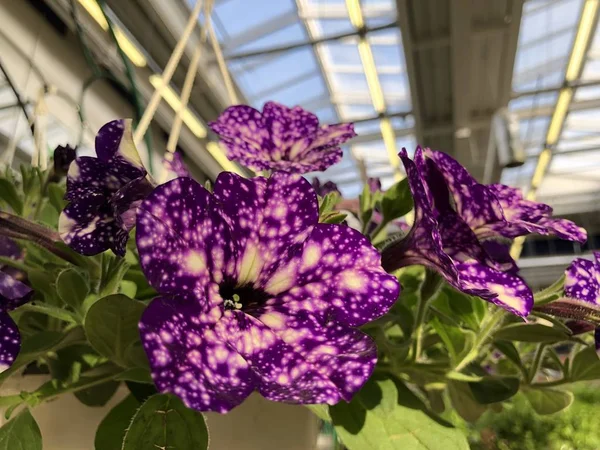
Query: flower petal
x=476, y=204
x=182, y=240
x=10, y=341
x=88, y=227
x=338, y=273
x=319, y=365
x=9, y=248
x=423, y=244
x=268, y=222
x=582, y=280
x=189, y=360
x=89, y=175
x=13, y=293
x=243, y=131
x=114, y=143
x=504, y=289
x=291, y=130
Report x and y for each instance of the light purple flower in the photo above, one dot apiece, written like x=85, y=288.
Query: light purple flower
x=440, y=239
x=174, y=163
x=326, y=188
x=498, y=210
x=104, y=193
x=255, y=294
x=374, y=184
x=280, y=138
x=13, y=294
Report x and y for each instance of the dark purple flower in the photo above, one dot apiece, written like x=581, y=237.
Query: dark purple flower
x=498, y=210
x=256, y=294
x=13, y=294
x=10, y=249
x=174, y=163
x=374, y=184
x=280, y=138
x=326, y=188
x=582, y=282
x=104, y=193
x=440, y=239
x=64, y=155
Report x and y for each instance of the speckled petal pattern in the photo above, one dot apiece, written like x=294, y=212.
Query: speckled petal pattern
x=503, y=289
x=10, y=341
x=189, y=360
x=280, y=138
x=104, y=193
x=269, y=291
x=582, y=279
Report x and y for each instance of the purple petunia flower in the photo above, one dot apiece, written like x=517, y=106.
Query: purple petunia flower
x=256, y=294
x=442, y=240
x=104, y=193
x=498, y=210
x=582, y=282
x=174, y=163
x=326, y=188
x=13, y=294
x=280, y=138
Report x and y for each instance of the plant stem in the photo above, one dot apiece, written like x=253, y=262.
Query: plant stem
x=551, y=383
x=481, y=339
x=429, y=288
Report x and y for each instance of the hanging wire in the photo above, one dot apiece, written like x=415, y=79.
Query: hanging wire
x=185, y=97
x=231, y=91
x=167, y=74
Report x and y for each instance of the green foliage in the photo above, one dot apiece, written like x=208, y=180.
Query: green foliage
x=585, y=365
x=520, y=427
x=397, y=201
x=385, y=414
x=111, y=326
x=548, y=401
x=21, y=433
x=163, y=421
x=111, y=431
x=531, y=332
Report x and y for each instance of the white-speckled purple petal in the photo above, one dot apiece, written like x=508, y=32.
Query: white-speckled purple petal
x=10, y=341
x=582, y=279
x=187, y=358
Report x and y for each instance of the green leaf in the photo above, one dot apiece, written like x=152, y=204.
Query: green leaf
x=21, y=433
x=548, y=401
x=494, y=389
x=40, y=344
x=163, y=421
x=128, y=288
x=9, y=194
x=321, y=411
x=456, y=340
x=385, y=414
x=42, y=282
x=464, y=402
x=111, y=326
x=137, y=374
x=72, y=287
x=111, y=431
x=98, y=395
x=397, y=201
x=585, y=365
x=56, y=194
x=531, y=332
x=333, y=217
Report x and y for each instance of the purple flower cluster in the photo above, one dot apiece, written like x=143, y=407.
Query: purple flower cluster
x=459, y=229
x=104, y=193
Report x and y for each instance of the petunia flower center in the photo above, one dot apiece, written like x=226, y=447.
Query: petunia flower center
x=242, y=298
